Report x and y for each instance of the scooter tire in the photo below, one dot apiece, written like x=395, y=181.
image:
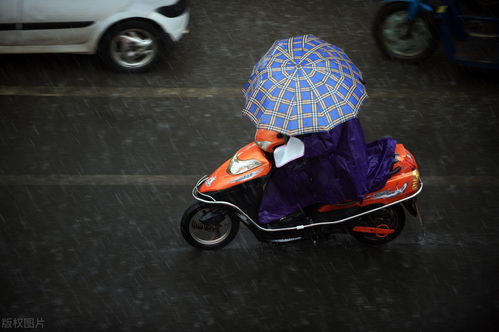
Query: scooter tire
x=424, y=20
x=192, y=229
x=393, y=216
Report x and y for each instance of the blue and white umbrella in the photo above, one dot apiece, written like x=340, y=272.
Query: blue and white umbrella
x=303, y=85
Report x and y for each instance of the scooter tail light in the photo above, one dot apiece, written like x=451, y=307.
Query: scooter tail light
x=237, y=166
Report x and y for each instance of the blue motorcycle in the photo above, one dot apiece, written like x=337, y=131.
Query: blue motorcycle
x=409, y=30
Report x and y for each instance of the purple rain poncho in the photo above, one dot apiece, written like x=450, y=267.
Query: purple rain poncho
x=337, y=166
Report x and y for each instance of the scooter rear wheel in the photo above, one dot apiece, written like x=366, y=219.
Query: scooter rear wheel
x=218, y=227
x=391, y=218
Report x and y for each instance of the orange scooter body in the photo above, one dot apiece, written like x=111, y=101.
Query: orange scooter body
x=404, y=183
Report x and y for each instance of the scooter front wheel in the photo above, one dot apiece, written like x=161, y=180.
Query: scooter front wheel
x=379, y=227
x=209, y=226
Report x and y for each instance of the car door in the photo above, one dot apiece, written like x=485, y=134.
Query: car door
x=10, y=17
x=63, y=22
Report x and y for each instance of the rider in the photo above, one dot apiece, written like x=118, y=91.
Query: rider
x=333, y=169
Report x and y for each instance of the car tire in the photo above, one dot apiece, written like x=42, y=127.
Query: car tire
x=132, y=46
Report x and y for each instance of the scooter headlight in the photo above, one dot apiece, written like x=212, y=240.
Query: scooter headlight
x=237, y=166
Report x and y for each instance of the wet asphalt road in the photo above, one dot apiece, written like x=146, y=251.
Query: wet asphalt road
x=97, y=169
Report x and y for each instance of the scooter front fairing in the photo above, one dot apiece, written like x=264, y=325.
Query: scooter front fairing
x=247, y=164
x=239, y=181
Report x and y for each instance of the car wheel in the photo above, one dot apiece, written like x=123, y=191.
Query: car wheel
x=132, y=46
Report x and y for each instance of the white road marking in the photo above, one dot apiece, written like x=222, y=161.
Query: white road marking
x=151, y=92
x=190, y=180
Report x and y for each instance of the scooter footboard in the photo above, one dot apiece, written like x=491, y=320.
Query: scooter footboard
x=245, y=197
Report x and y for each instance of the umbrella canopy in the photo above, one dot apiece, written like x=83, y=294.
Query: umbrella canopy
x=303, y=85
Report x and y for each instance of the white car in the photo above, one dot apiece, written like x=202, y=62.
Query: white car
x=129, y=35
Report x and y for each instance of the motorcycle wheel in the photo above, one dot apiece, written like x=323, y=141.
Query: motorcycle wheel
x=393, y=38
x=392, y=217
x=212, y=235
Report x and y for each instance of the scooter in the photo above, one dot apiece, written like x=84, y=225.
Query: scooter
x=233, y=193
x=409, y=30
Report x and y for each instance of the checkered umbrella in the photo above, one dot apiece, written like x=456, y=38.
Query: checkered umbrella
x=303, y=85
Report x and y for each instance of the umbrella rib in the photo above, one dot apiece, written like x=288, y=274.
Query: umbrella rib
x=274, y=112
x=289, y=116
x=298, y=103
x=328, y=69
x=278, y=47
x=315, y=92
